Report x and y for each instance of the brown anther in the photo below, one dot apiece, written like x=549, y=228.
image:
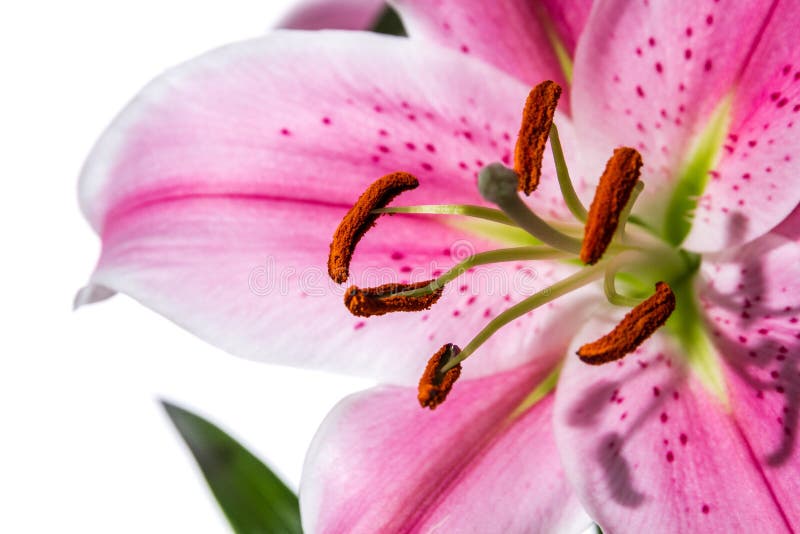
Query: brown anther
x=537, y=118
x=633, y=330
x=435, y=385
x=360, y=219
x=385, y=299
x=610, y=198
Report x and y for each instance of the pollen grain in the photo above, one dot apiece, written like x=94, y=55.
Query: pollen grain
x=612, y=194
x=388, y=298
x=633, y=330
x=360, y=219
x=537, y=118
x=434, y=386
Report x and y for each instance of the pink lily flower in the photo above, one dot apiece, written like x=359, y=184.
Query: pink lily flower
x=217, y=190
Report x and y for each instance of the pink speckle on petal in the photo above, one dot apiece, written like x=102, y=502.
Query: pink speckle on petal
x=640, y=91
x=285, y=131
x=687, y=53
x=705, y=509
x=670, y=457
x=427, y=166
x=326, y=120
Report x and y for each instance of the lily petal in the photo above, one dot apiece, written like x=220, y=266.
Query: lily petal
x=510, y=34
x=380, y=463
x=216, y=206
x=333, y=14
x=751, y=303
x=652, y=75
x=648, y=449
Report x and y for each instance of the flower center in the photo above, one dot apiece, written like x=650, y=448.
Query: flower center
x=604, y=243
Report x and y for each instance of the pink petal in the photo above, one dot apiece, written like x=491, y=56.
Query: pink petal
x=333, y=14
x=648, y=449
x=752, y=304
x=649, y=75
x=507, y=33
x=755, y=183
x=217, y=190
x=380, y=463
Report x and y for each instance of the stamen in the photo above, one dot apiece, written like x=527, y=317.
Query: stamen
x=633, y=330
x=564, y=182
x=484, y=258
x=467, y=210
x=612, y=195
x=497, y=184
x=360, y=219
x=390, y=298
x=610, y=288
x=626, y=213
x=571, y=283
x=475, y=212
x=537, y=117
x=436, y=382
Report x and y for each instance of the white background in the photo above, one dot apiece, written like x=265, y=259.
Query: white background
x=84, y=445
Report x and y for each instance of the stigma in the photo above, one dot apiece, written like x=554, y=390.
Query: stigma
x=598, y=242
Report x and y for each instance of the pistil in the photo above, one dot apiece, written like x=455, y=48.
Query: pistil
x=498, y=184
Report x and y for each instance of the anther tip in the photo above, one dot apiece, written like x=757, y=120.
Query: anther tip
x=634, y=329
x=389, y=298
x=614, y=189
x=360, y=218
x=537, y=118
x=435, y=385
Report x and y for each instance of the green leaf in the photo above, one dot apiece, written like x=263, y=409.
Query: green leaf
x=389, y=22
x=252, y=497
